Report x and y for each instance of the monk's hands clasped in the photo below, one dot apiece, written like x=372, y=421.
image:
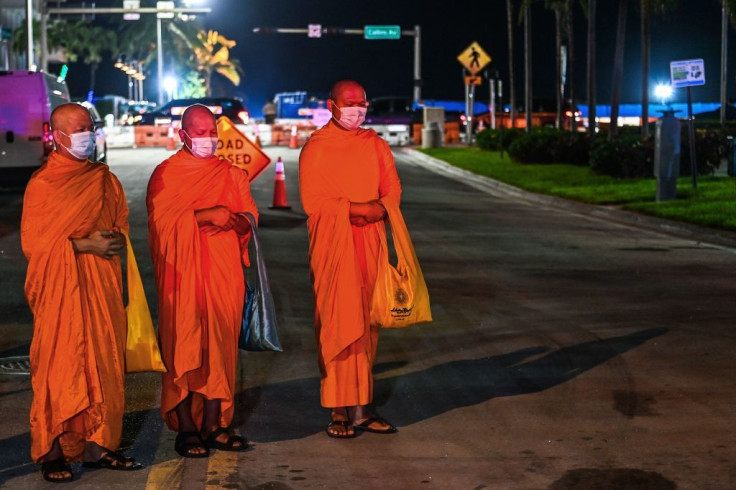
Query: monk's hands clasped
x=103, y=243
x=224, y=219
x=364, y=213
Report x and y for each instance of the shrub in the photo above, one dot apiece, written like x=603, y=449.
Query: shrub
x=490, y=139
x=710, y=147
x=539, y=146
x=626, y=157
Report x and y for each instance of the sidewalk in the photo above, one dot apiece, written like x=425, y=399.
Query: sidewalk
x=610, y=213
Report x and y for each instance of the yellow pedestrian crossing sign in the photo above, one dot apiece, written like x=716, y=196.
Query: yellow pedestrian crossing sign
x=474, y=59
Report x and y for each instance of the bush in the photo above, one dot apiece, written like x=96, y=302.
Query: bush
x=490, y=139
x=539, y=146
x=626, y=157
x=710, y=147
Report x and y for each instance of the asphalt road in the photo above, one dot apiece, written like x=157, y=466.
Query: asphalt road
x=566, y=353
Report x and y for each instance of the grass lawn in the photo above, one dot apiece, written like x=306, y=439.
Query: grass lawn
x=712, y=204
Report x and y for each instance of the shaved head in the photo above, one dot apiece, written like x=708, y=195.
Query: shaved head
x=196, y=114
x=197, y=122
x=342, y=87
x=67, y=117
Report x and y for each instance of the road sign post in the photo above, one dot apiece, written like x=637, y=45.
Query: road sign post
x=688, y=74
x=473, y=59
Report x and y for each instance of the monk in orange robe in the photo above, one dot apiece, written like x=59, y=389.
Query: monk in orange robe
x=73, y=213
x=345, y=173
x=199, y=244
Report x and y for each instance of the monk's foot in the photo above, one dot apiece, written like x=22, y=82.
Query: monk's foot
x=56, y=471
x=340, y=427
x=190, y=445
x=225, y=440
x=111, y=460
x=374, y=423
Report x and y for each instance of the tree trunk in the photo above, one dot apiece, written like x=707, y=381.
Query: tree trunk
x=528, y=67
x=512, y=89
x=559, y=84
x=724, y=52
x=645, y=48
x=618, y=67
x=207, y=82
x=571, y=62
x=591, y=69
x=92, y=72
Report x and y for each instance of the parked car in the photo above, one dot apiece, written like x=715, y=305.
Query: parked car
x=26, y=101
x=171, y=112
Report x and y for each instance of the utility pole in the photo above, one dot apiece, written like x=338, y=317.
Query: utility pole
x=416, y=33
x=29, y=35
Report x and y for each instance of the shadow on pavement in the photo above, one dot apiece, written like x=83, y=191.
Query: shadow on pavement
x=291, y=410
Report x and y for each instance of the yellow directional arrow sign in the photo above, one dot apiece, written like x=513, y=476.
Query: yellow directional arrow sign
x=474, y=59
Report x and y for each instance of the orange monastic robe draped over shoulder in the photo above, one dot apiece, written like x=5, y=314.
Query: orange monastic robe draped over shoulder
x=78, y=349
x=199, y=277
x=337, y=167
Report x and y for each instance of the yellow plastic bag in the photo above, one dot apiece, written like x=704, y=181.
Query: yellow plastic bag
x=400, y=296
x=141, y=348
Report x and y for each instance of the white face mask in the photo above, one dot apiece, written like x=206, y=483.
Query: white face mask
x=202, y=147
x=351, y=117
x=83, y=144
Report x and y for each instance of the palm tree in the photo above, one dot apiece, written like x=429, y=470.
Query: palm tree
x=618, y=67
x=78, y=40
x=647, y=8
x=210, y=53
x=728, y=8
x=591, y=69
x=569, y=17
x=528, y=65
x=512, y=90
x=558, y=7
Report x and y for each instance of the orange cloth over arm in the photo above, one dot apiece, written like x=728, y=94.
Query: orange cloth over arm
x=77, y=351
x=199, y=278
x=336, y=168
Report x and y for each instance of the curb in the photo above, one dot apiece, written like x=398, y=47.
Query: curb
x=678, y=229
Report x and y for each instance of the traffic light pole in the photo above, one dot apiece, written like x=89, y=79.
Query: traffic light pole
x=416, y=33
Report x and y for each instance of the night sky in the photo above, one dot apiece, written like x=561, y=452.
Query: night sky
x=288, y=62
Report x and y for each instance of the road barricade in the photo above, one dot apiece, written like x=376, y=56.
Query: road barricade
x=452, y=132
x=120, y=136
x=281, y=134
x=151, y=136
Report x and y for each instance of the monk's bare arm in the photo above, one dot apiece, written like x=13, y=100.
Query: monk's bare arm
x=103, y=243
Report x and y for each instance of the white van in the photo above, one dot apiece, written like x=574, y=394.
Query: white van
x=26, y=101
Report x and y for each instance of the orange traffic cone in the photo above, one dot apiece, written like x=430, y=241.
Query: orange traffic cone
x=279, y=187
x=256, y=136
x=171, y=143
x=293, y=142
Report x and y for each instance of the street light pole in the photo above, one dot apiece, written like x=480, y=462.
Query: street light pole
x=159, y=49
x=29, y=35
x=417, y=64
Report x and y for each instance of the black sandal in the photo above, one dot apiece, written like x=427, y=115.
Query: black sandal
x=366, y=425
x=56, y=466
x=340, y=423
x=212, y=442
x=186, y=441
x=114, y=461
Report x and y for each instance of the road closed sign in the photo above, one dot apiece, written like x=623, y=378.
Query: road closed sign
x=687, y=73
x=234, y=146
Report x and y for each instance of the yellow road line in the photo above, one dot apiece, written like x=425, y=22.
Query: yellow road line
x=223, y=465
x=166, y=475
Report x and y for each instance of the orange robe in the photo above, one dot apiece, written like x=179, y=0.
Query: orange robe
x=199, y=278
x=79, y=326
x=337, y=167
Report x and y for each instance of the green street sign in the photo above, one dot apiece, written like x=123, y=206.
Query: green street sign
x=382, y=32
x=5, y=33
